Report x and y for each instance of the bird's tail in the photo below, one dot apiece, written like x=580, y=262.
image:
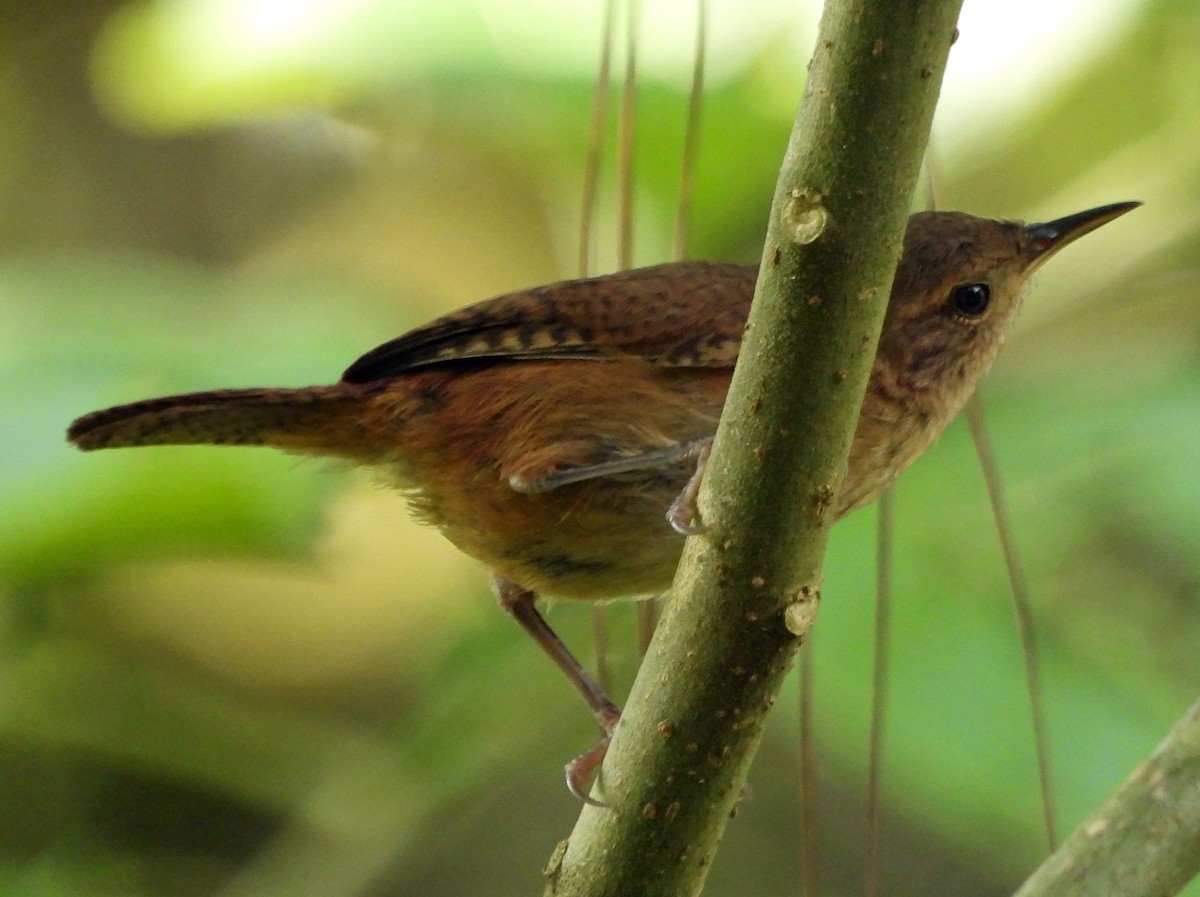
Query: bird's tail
x=315, y=419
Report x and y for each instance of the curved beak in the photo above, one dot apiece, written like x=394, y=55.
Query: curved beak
x=1047, y=238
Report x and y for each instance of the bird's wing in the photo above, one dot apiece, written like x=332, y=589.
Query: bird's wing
x=681, y=314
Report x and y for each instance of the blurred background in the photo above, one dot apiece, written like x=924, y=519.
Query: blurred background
x=228, y=672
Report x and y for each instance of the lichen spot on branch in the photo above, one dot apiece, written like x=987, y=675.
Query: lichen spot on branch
x=804, y=216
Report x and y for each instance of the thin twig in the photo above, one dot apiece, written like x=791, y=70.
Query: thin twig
x=1022, y=606
x=883, y=596
x=595, y=144
x=809, y=849
x=691, y=138
x=1018, y=588
x=627, y=141
x=591, y=182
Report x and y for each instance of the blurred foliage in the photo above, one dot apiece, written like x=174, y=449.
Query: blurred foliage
x=228, y=673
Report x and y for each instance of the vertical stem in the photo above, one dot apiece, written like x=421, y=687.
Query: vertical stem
x=595, y=141
x=591, y=181
x=647, y=611
x=809, y=844
x=1022, y=606
x=627, y=141
x=601, y=662
x=883, y=601
x=691, y=138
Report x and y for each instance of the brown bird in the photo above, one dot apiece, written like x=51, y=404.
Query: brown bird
x=547, y=432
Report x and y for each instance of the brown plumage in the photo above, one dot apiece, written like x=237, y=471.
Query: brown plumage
x=543, y=431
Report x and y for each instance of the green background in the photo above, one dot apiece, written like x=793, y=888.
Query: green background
x=230, y=673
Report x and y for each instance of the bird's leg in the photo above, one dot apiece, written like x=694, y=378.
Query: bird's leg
x=519, y=602
x=683, y=512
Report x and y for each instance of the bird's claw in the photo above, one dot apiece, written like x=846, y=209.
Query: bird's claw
x=683, y=511
x=580, y=770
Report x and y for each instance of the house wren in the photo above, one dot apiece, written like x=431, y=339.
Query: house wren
x=547, y=432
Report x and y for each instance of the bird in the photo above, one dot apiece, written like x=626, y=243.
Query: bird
x=558, y=434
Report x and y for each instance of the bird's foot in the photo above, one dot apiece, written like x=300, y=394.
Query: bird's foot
x=580, y=771
x=683, y=515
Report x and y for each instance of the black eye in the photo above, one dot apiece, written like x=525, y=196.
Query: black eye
x=971, y=299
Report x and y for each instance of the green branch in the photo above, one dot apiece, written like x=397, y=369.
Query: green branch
x=1145, y=840
x=746, y=591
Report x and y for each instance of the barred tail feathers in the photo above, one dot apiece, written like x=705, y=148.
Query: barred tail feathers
x=313, y=419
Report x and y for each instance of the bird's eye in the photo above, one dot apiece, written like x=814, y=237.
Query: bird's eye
x=970, y=300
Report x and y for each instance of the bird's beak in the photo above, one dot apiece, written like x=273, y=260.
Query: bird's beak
x=1046, y=239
